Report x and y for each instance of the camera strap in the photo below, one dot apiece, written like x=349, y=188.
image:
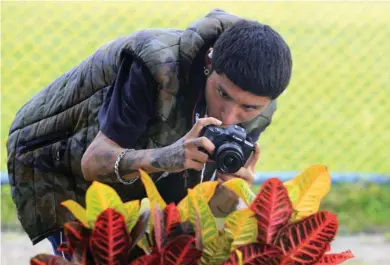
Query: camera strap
x=200, y=108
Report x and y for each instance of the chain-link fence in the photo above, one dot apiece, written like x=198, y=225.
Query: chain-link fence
x=335, y=111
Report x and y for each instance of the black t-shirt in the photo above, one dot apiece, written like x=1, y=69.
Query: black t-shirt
x=129, y=105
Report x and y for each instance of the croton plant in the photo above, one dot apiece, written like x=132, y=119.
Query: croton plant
x=281, y=225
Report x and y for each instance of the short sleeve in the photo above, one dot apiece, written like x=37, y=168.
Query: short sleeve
x=129, y=104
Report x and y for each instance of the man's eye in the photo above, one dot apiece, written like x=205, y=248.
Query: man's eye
x=222, y=93
x=248, y=109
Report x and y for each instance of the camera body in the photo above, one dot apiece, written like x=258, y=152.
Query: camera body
x=232, y=147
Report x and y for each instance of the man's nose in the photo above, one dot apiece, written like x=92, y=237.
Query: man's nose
x=230, y=114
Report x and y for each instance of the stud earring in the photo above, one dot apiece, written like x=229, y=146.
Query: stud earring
x=206, y=71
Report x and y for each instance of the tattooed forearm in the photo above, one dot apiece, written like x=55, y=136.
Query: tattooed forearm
x=100, y=157
x=99, y=160
x=170, y=158
x=125, y=166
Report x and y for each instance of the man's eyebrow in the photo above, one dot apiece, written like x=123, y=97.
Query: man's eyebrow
x=252, y=106
x=244, y=105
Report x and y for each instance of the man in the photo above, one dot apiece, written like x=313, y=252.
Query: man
x=141, y=101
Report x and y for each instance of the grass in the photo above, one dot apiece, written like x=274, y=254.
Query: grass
x=334, y=111
x=359, y=207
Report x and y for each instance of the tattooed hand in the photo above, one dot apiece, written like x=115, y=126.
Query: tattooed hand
x=185, y=153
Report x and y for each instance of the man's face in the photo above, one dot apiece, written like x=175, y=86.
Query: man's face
x=231, y=104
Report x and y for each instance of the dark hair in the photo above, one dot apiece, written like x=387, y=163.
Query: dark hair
x=254, y=57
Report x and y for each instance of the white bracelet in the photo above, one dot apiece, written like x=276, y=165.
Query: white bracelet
x=116, y=168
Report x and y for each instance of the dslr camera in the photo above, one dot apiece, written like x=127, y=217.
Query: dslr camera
x=232, y=147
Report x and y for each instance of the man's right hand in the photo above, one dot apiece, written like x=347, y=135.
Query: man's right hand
x=184, y=153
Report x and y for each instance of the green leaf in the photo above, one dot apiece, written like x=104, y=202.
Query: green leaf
x=241, y=227
x=144, y=244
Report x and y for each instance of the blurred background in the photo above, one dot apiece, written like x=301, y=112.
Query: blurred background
x=335, y=111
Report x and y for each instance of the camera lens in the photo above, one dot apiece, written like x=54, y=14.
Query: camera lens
x=229, y=157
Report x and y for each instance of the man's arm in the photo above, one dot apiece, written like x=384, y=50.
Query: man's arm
x=99, y=159
x=123, y=117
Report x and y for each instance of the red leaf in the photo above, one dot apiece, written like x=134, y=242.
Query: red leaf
x=256, y=253
x=181, y=251
x=64, y=247
x=75, y=233
x=45, y=259
x=305, y=241
x=82, y=255
x=335, y=258
x=110, y=240
x=152, y=259
x=171, y=218
x=327, y=249
x=158, y=224
x=273, y=209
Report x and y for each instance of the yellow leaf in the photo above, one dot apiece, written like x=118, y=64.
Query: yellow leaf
x=241, y=188
x=151, y=190
x=77, y=210
x=100, y=197
x=132, y=213
x=239, y=256
x=205, y=189
x=241, y=227
x=208, y=226
x=153, y=196
x=183, y=209
x=307, y=190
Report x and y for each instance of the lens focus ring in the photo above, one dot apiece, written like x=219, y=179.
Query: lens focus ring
x=229, y=157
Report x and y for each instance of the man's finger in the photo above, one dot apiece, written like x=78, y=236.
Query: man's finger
x=224, y=177
x=243, y=173
x=201, y=123
x=203, y=143
x=254, y=158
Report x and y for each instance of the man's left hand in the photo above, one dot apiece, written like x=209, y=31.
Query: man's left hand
x=246, y=172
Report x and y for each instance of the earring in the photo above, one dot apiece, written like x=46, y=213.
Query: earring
x=206, y=71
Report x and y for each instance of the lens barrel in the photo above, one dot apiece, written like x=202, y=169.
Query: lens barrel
x=230, y=157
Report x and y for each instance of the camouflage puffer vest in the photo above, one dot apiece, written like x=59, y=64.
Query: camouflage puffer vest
x=52, y=130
